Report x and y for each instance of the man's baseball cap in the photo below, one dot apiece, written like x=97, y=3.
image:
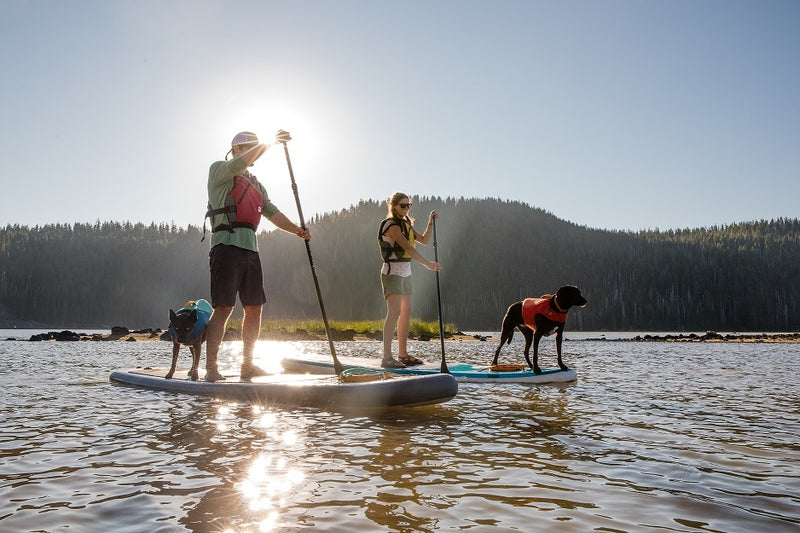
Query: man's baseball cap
x=245, y=137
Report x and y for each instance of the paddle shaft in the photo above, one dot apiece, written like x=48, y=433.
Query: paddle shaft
x=337, y=366
x=444, y=369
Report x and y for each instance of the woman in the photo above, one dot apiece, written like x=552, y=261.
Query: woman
x=397, y=238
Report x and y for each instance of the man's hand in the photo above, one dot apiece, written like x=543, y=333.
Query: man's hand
x=283, y=137
x=303, y=234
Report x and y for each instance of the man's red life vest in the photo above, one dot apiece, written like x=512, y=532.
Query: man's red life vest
x=540, y=306
x=243, y=206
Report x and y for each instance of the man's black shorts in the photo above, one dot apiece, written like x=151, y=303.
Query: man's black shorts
x=235, y=270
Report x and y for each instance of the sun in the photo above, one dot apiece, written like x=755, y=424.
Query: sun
x=324, y=139
x=265, y=120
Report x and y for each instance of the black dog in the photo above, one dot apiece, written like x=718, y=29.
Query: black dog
x=188, y=327
x=537, y=318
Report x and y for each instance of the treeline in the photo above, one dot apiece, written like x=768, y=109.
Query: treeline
x=739, y=277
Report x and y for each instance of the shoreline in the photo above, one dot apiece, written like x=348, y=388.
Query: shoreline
x=710, y=336
x=122, y=334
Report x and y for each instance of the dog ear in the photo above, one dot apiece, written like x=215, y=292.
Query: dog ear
x=193, y=315
x=172, y=315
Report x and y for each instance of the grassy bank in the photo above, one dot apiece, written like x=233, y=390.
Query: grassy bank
x=272, y=329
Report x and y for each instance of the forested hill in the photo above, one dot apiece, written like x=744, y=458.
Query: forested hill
x=740, y=277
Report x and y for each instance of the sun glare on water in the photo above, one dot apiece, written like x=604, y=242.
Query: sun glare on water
x=269, y=482
x=271, y=479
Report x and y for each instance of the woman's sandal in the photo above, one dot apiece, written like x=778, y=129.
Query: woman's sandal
x=392, y=363
x=410, y=360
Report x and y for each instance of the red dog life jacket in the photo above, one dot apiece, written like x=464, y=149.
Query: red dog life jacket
x=243, y=207
x=540, y=306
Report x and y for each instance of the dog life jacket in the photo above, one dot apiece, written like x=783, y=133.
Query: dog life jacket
x=204, y=311
x=243, y=207
x=394, y=253
x=540, y=306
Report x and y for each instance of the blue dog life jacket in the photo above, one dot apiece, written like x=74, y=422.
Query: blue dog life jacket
x=204, y=311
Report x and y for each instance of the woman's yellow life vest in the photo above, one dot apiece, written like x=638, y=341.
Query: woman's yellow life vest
x=394, y=253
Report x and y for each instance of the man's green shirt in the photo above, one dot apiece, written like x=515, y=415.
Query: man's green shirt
x=220, y=183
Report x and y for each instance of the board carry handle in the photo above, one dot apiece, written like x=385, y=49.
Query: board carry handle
x=337, y=366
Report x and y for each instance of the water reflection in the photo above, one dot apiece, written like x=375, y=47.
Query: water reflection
x=244, y=448
x=402, y=457
x=271, y=477
x=679, y=438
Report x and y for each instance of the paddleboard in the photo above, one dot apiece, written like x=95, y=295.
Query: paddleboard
x=462, y=372
x=323, y=391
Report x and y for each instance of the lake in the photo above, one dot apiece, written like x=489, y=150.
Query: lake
x=652, y=437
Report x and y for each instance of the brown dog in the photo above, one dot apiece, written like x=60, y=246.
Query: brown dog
x=187, y=327
x=537, y=318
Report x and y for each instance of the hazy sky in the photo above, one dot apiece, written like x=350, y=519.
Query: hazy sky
x=611, y=114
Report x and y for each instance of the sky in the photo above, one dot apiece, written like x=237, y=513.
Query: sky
x=612, y=114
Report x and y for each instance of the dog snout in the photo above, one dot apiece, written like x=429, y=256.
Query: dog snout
x=183, y=335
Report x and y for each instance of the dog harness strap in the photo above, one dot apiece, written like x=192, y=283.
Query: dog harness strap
x=540, y=306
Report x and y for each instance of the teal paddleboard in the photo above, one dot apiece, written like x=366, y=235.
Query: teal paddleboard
x=462, y=372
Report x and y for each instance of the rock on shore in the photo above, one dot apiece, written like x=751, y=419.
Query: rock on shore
x=117, y=333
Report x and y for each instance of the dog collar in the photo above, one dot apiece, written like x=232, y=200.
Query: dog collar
x=558, y=307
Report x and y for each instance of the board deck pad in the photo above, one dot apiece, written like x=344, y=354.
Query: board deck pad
x=461, y=371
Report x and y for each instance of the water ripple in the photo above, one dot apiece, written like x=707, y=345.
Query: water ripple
x=661, y=437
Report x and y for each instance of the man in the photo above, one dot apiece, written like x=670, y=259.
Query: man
x=236, y=203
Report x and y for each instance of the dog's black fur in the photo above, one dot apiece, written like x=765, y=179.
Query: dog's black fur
x=566, y=297
x=182, y=325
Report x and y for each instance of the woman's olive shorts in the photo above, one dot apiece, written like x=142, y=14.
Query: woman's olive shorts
x=396, y=285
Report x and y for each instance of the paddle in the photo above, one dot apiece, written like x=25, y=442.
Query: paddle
x=443, y=369
x=337, y=366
